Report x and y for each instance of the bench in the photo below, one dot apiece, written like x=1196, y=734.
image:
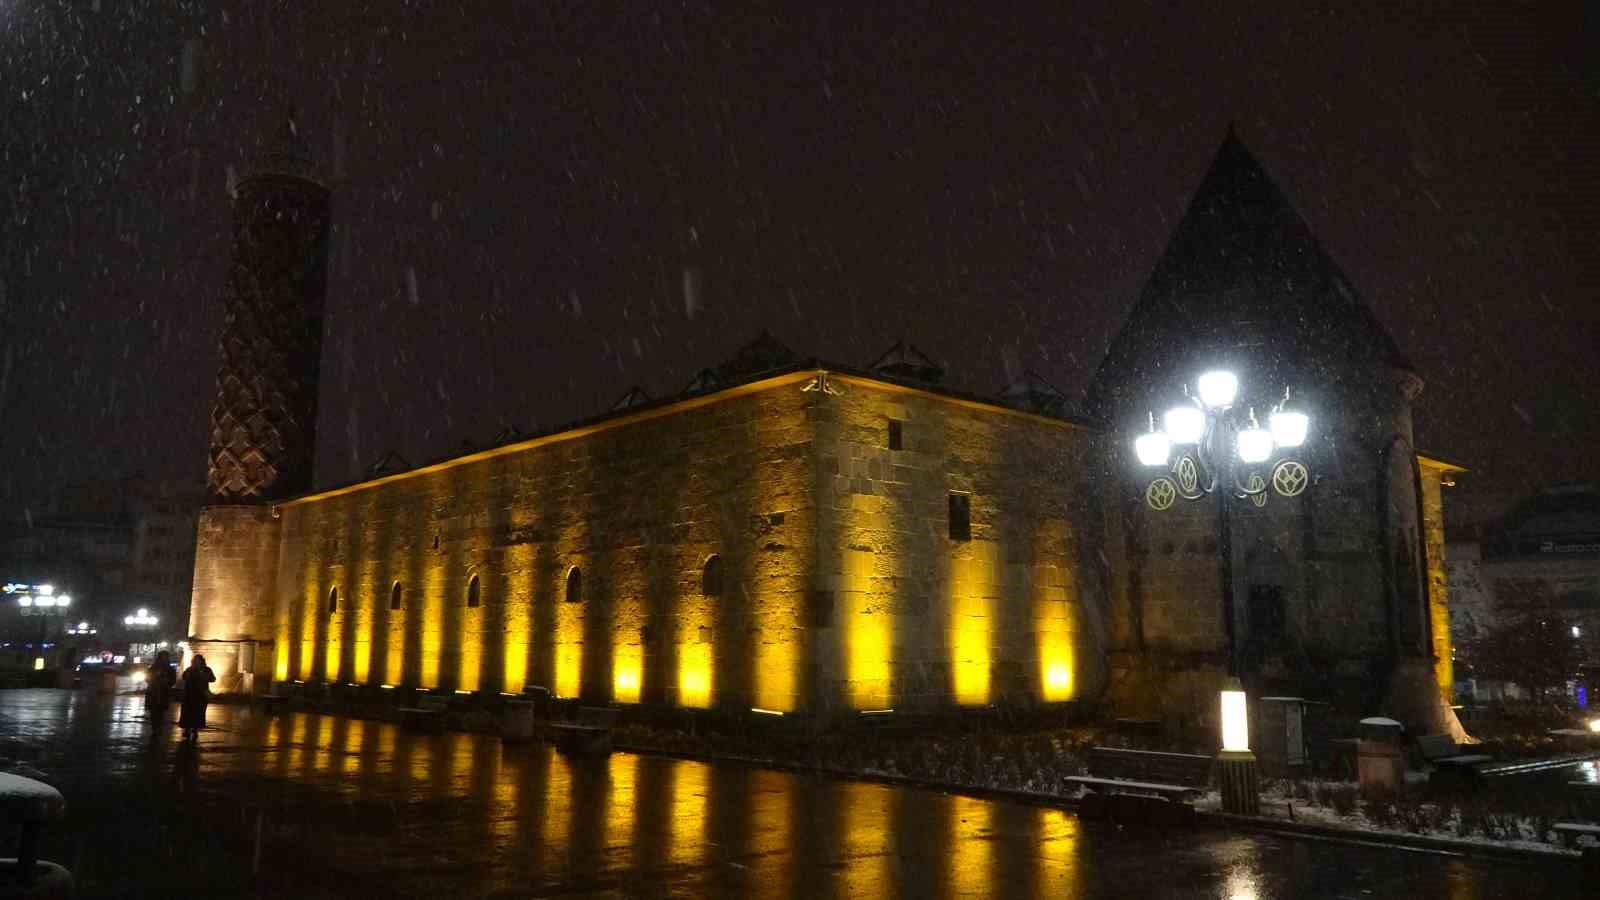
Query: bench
x=1442, y=750
x=588, y=732
x=1169, y=776
x=427, y=715
x=1570, y=834
x=32, y=805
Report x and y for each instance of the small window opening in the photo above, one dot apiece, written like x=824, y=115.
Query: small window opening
x=395, y=595
x=960, y=517
x=711, y=577
x=333, y=600
x=472, y=593
x=894, y=434
x=575, y=585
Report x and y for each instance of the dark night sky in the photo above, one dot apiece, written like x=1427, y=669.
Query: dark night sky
x=518, y=190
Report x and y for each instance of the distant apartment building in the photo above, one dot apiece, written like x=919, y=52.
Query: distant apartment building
x=1537, y=556
x=116, y=545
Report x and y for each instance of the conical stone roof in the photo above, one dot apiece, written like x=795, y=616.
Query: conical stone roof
x=1243, y=284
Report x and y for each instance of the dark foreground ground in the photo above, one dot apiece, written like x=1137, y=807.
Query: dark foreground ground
x=345, y=807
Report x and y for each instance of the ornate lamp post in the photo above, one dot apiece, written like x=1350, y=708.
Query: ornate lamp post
x=1210, y=445
x=43, y=602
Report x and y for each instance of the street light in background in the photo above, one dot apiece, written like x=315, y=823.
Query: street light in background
x=43, y=602
x=141, y=619
x=1210, y=444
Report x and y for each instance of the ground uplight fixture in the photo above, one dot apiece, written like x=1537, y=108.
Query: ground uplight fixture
x=1235, y=718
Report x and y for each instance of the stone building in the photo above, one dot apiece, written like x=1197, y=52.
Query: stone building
x=797, y=536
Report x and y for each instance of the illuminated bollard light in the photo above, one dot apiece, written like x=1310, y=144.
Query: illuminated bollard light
x=1237, y=774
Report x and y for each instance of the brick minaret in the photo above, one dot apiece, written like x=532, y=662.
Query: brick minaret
x=263, y=426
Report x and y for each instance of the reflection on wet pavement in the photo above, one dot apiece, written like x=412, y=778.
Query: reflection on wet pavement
x=359, y=808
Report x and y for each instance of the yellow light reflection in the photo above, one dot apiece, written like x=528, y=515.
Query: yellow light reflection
x=970, y=846
x=690, y=784
x=870, y=629
x=321, y=758
x=694, y=674
x=867, y=835
x=624, y=773
x=969, y=633
x=352, y=746
x=769, y=851
x=1058, y=854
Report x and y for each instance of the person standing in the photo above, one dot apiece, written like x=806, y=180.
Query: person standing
x=196, y=693
x=158, y=684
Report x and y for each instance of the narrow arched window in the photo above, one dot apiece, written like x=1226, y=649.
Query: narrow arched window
x=472, y=592
x=711, y=577
x=575, y=585
x=395, y=596
x=333, y=600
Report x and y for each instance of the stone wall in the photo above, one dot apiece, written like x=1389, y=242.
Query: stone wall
x=840, y=586
x=637, y=505
x=1013, y=613
x=231, y=609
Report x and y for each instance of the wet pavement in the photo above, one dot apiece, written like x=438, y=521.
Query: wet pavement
x=345, y=807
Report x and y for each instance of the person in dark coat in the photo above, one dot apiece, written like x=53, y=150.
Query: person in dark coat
x=158, y=684
x=196, y=692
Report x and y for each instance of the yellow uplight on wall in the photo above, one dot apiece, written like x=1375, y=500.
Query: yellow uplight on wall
x=694, y=675
x=625, y=680
x=968, y=638
x=870, y=636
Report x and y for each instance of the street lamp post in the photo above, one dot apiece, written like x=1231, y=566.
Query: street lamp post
x=41, y=601
x=1211, y=445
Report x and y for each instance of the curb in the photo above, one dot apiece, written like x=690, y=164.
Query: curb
x=1212, y=819
x=1389, y=839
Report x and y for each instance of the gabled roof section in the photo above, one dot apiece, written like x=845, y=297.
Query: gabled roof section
x=703, y=380
x=764, y=354
x=1243, y=282
x=635, y=396
x=388, y=464
x=1032, y=393
x=906, y=361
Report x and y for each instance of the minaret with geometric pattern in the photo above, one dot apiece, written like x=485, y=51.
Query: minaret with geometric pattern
x=263, y=426
x=264, y=422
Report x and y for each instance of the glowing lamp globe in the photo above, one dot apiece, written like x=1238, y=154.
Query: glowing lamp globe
x=1184, y=424
x=1235, y=718
x=1255, y=445
x=1218, y=388
x=1594, y=725
x=1153, y=448
x=64, y=600
x=1289, y=428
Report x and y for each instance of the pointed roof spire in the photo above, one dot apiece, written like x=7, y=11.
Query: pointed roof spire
x=906, y=361
x=763, y=354
x=635, y=396
x=1243, y=283
x=285, y=152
